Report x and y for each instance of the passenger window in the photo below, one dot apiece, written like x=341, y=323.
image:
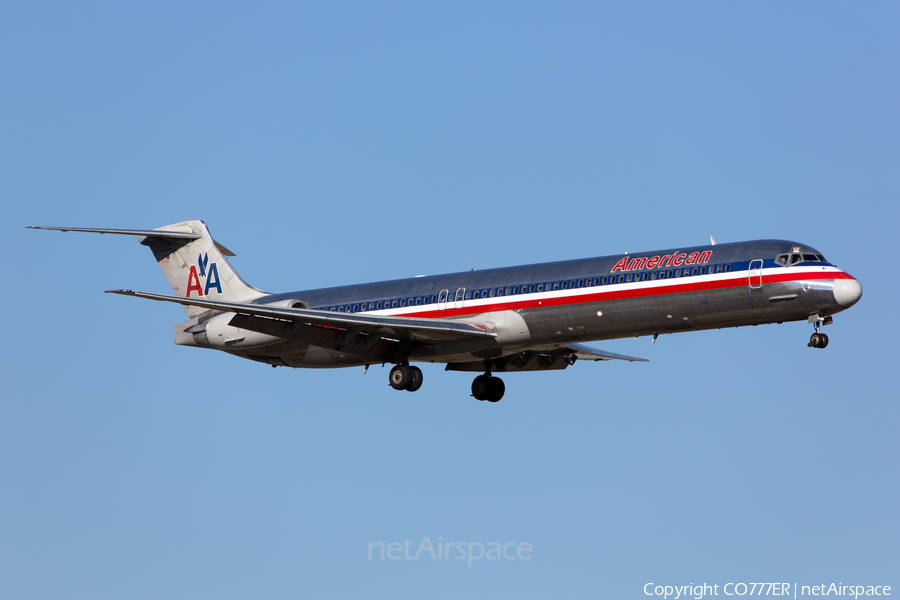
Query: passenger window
x=603, y=281
x=402, y=302
x=507, y=291
x=728, y=268
x=694, y=271
x=531, y=289
x=418, y=300
x=499, y=291
x=556, y=285
x=677, y=272
x=540, y=287
x=653, y=276
x=565, y=285
x=718, y=268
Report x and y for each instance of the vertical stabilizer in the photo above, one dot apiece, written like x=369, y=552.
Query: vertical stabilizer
x=197, y=267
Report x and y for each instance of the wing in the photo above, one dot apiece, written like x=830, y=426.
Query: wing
x=330, y=324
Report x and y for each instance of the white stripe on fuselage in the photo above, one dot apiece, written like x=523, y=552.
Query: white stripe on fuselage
x=483, y=305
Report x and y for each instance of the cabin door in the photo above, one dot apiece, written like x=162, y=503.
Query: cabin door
x=756, y=274
x=460, y=297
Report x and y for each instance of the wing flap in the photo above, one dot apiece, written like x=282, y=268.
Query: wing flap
x=583, y=352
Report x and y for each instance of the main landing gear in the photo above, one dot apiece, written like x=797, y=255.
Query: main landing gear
x=819, y=340
x=486, y=387
x=404, y=377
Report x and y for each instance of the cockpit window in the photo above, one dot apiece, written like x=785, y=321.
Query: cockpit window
x=782, y=260
x=795, y=258
x=821, y=258
x=810, y=258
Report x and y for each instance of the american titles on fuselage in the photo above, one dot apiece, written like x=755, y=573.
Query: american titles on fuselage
x=676, y=259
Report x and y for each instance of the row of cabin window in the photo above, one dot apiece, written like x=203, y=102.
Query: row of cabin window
x=533, y=288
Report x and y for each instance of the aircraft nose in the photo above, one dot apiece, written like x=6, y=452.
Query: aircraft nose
x=847, y=292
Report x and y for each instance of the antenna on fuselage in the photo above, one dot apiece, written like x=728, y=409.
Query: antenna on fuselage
x=713, y=240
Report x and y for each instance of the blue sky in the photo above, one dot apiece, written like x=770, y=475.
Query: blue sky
x=353, y=143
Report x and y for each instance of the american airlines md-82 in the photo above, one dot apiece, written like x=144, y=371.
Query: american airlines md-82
x=527, y=318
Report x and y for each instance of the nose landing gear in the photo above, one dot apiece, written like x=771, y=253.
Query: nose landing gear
x=819, y=340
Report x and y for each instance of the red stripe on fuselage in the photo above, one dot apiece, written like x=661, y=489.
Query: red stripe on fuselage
x=599, y=296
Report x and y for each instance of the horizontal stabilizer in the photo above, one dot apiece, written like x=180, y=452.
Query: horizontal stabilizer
x=147, y=233
x=182, y=235
x=588, y=353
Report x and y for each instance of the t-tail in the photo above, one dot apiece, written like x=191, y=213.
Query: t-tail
x=195, y=264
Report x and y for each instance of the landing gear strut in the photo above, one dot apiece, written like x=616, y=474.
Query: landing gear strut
x=819, y=340
x=486, y=387
x=404, y=377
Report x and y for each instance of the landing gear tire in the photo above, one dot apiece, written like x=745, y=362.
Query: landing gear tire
x=416, y=382
x=401, y=377
x=496, y=388
x=488, y=388
x=480, y=387
x=818, y=340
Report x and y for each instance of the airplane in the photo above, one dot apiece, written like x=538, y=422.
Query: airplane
x=524, y=318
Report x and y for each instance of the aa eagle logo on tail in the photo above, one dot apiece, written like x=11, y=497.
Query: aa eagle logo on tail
x=212, y=277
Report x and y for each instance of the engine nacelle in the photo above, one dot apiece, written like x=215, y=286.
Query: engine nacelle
x=217, y=333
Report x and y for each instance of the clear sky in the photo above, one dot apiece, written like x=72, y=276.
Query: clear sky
x=371, y=141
